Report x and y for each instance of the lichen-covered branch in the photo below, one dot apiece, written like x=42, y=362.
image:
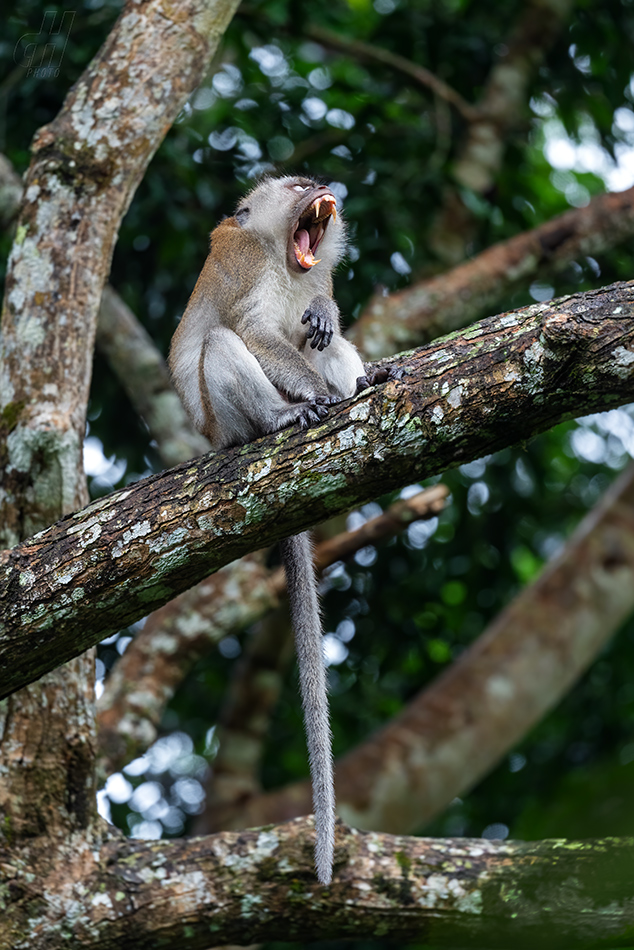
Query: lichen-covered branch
x=174, y=637
x=451, y=734
x=454, y=298
x=501, y=381
x=259, y=885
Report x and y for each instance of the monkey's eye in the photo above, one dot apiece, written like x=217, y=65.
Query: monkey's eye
x=301, y=187
x=242, y=214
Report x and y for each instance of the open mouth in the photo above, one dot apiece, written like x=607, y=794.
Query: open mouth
x=311, y=228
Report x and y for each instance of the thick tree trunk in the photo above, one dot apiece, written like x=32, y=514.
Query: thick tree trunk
x=85, y=167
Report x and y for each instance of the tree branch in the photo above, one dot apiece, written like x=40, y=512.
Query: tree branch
x=456, y=297
x=501, y=381
x=259, y=885
x=424, y=77
x=504, y=97
x=502, y=106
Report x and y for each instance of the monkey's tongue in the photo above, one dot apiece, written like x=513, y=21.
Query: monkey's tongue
x=302, y=241
x=303, y=253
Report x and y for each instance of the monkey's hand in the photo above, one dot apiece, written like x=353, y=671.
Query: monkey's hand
x=376, y=375
x=322, y=316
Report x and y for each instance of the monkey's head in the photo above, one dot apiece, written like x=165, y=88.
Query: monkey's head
x=298, y=217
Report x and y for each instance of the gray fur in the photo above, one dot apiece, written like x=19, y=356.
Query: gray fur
x=260, y=348
x=302, y=591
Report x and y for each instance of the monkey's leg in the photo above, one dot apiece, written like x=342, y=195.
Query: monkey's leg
x=338, y=364
x=302, y=591
x=283, y=364
x=238, y=400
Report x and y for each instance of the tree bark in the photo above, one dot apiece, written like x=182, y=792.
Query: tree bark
x=259, y=884
x=502, y=381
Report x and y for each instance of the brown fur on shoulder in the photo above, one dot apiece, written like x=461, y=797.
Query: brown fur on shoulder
x=235, y=262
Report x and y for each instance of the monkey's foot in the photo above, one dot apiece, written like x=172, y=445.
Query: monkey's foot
x=329, y=400
x=309, y=413
x=377, y=375
x=305, y=414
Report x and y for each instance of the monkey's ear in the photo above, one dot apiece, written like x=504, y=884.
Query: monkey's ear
x=242, y=215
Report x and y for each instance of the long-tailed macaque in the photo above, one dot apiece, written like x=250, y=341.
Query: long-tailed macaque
x=259, y=348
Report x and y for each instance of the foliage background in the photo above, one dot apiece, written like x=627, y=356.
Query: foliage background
x=279, y=101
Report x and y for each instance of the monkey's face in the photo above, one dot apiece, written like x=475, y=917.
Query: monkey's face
x=300, y=216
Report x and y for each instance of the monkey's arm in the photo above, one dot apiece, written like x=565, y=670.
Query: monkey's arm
x=283, y=365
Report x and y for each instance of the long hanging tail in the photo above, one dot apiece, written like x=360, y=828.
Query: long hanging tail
x=297, y=558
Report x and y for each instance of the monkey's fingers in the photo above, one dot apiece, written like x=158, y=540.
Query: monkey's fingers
x=322, y=338
x=321, y=329
x=316, y=334
x=327, y=338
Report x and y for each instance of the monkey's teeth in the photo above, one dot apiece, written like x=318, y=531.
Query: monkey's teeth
x=306, y=260
x=331, y=203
